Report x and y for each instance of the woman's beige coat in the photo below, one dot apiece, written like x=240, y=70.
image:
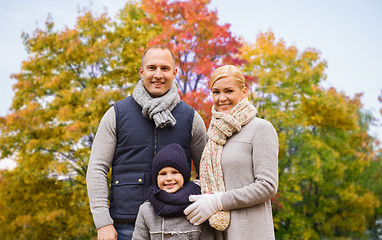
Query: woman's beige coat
x=250, y=171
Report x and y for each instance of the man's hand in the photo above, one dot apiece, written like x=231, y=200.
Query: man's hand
x=107, y=233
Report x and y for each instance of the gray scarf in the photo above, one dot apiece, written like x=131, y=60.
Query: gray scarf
x=159, y=108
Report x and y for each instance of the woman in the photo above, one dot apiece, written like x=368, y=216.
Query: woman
x=239, y=166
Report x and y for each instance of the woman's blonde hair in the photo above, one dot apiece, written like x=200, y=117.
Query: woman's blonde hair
x=228, y=71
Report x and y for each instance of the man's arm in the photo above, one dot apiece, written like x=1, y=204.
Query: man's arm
x=101, y=158
x=198, y=140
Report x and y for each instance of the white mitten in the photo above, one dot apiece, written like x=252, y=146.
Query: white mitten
x=203, y=207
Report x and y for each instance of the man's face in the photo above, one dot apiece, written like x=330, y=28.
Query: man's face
x=158, y=71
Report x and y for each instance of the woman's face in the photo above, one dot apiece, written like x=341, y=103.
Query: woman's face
x=170, y=180
x=226, y=94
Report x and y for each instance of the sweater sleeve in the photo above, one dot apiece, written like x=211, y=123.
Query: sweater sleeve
x=198, y=141
x=101, y=158
x=265, y=157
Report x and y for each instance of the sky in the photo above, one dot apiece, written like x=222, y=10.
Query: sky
x=348, y=34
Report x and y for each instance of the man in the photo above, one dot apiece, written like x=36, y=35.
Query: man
x=130, y=133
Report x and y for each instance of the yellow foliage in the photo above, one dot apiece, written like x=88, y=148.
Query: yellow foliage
x=323, y=141
x=330, y=109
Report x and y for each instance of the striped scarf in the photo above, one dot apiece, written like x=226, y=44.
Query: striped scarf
x=221, y=127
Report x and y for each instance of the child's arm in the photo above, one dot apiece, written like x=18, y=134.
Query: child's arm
x=141, y=231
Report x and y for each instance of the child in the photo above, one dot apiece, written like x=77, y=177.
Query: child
x=162, y=215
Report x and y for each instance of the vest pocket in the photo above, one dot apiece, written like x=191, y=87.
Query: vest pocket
x=127, y=193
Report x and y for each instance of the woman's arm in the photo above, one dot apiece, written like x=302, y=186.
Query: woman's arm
x=265, y=161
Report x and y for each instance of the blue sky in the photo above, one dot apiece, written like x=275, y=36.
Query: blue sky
x=347, y=32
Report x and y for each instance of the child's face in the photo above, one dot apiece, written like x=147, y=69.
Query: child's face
x=170, y=180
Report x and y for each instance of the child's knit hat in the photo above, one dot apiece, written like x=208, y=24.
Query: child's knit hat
x=174, y=156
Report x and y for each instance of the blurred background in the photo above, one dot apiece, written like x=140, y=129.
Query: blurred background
x=312, y=69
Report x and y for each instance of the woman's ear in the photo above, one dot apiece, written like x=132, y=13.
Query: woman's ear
x=244, y=91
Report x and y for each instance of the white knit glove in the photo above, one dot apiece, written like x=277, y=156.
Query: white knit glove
x=203, y=207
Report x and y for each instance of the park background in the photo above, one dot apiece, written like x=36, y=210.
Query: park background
x=66, y=78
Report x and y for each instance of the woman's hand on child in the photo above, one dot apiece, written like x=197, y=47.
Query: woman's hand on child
x=203, y=207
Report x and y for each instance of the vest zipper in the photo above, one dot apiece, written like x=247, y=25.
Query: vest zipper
x=155, y=141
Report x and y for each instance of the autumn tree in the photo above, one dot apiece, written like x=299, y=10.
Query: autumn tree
x=34, y=206
x=71, y=77
x=372, y=178
x=199, y=42
x=324, y=144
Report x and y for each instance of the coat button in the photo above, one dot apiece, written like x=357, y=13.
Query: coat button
x=140, y=180
x=116, y=182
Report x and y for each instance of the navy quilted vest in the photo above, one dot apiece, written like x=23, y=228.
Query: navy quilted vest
x=138, y=140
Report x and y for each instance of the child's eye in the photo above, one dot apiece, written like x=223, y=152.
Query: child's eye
x=162, y=173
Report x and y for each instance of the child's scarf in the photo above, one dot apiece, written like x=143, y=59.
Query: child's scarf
x=172, y=204
x=221, y=127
